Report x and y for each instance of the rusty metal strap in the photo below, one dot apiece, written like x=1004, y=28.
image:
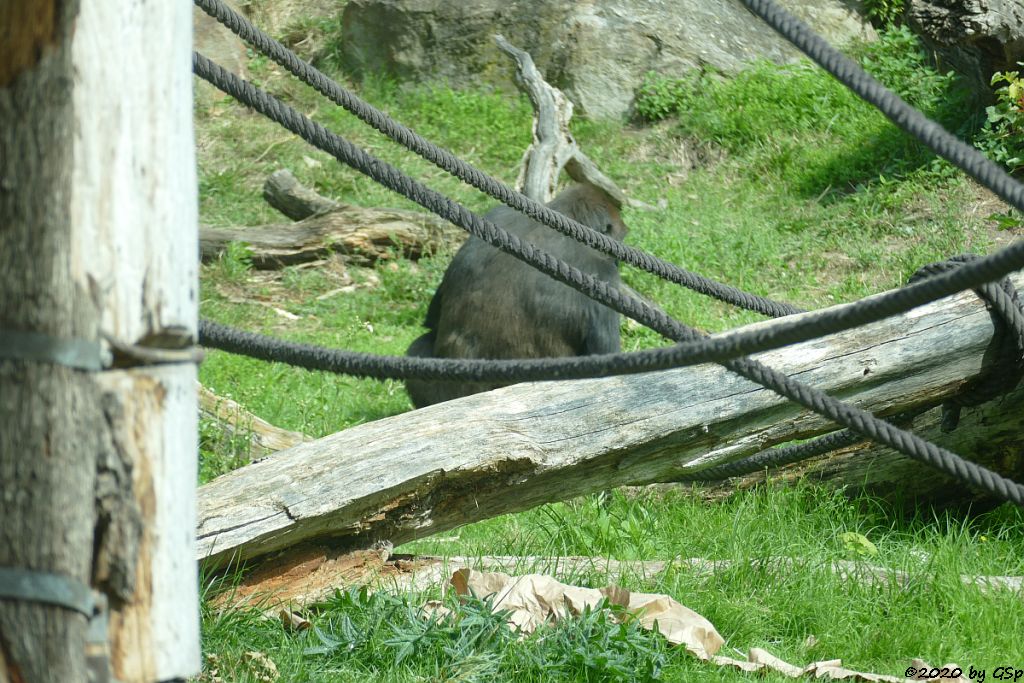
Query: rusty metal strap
x=79, y=354
x=46, y=587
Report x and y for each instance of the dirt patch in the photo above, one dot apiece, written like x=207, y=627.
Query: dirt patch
x=298, y=24
x=275, y=289
x=986, y=209
x=682, y=155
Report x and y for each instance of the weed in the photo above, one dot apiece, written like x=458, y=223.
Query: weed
x=884, y=13
x=659, y=97
x=221, y=450
x=235, y=262
x=1002, y=136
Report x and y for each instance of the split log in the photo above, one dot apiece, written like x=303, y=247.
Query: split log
x=429, y=470
x=361, y=235
x=553, y=147
x=264, y=438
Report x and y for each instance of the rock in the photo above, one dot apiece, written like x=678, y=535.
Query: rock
x=976, y=37
x=214, y=40
x=597, y=52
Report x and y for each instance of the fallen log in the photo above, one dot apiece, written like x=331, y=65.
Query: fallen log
x=263, y=437
x=362, y=235
x=989, y=434
x=283, y=191
x=429, y=470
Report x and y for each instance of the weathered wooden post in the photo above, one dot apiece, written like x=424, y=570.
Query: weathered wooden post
x=98, y=304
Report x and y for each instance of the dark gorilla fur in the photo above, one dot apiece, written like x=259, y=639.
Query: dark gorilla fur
x=492, y=305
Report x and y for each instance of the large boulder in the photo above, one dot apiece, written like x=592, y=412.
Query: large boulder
x=976, y=37
x=596, y=51
x=212, y=39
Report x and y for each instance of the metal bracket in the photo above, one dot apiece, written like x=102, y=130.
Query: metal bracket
x=79, y=354
x=97, y=647
x=46, y=587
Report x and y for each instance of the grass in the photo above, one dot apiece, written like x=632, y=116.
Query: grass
x=809, y=196
x=871, y=627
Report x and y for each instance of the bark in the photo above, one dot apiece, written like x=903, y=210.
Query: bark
x=135, y=218
x=97, y=244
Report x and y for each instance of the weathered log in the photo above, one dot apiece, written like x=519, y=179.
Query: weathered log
x=553, y=147
x=264, y=438
x=411, y=475
x=362, y=235
x=284, y=192
x=136, y=191
x=51, y=419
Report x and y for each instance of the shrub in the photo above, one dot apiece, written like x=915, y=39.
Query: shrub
x=660, y=96
x=884, y=12
x=1002, y=136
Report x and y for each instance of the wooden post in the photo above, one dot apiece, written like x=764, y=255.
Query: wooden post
x=48, y=412
x=136, y=213
x=98, y=243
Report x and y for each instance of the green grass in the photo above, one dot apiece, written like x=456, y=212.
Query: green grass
x=872, y=627
x=810, y=197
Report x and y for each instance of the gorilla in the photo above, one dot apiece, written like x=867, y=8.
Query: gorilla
x=492, y=305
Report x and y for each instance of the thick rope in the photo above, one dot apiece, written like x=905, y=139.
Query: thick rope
x=849, y=416
x=1005, y=373
x=447, y=161
x=393, y=179
x=1002, y=377
x=695, y=351
x=772, y=458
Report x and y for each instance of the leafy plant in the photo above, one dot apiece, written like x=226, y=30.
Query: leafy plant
x=597, y=646
x=1007, y=221
x=884, y=12
x=899, y=60
x=660, y=96
x=1002, y=136
x=235, y=262
x=857, y=545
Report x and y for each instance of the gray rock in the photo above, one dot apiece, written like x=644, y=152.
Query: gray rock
x=596, y=51
x=976, y=37
x=217, y=42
